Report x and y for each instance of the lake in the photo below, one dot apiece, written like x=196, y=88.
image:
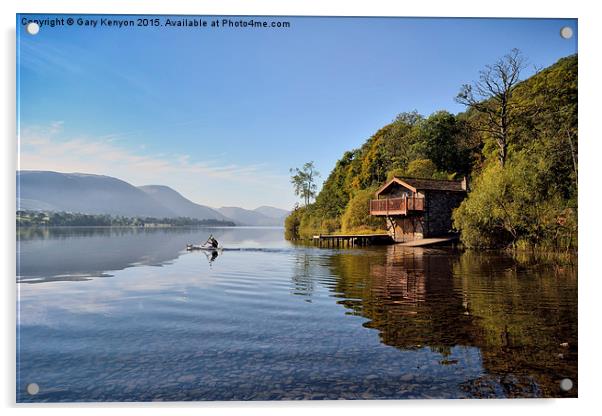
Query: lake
x=125, y=314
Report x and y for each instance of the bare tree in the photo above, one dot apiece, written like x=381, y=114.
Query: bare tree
x=491, y=95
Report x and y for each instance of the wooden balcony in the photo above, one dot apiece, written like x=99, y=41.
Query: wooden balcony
x=396, y=206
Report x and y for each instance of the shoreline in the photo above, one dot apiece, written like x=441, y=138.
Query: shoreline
x=148, y=227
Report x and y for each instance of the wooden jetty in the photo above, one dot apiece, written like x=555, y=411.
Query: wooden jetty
x=352, y=240
x=360, y=240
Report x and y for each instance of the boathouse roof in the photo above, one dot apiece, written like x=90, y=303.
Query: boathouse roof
x=417, y=184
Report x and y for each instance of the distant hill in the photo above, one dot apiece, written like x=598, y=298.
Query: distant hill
x=97, y=194
x=243, y=216
x=84, y=193
x=272, y=212
x=181, y=206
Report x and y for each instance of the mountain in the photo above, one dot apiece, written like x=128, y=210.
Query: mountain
x=98, y=194
x=181, y=206
x=85, y=193
x=250, y=217
x=272, y=212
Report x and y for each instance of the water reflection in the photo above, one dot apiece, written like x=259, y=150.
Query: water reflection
x=521, y=317
x=391, y=288
x=528, y=315
x=266, y=320
x=79, y=253
x=211, y=256
x=303, y=278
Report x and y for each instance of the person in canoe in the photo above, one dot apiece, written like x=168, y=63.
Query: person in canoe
x=212, y=241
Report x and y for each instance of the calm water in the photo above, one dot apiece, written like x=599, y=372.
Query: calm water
x=127, y=315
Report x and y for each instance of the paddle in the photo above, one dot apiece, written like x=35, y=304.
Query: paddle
x=207, y=242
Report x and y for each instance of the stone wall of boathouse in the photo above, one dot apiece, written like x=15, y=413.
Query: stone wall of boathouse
x=438, y=212
x=406, y=228
x=434, y=221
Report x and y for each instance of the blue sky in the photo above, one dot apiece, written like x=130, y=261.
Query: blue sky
x=222, y=114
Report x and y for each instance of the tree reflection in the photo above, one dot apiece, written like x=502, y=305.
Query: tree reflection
x=408, y=295
x=521, y=315
x=303, y=283
x=527, y=310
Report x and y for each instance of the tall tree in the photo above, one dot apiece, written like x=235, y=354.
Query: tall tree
x=491, y=96
x=304, y=181
x=439, y=138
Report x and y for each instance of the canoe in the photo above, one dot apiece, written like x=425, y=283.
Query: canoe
x=191, y=247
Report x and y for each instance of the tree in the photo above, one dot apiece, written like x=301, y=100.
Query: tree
x=357, y=214
x=304, y=181
x=552, y=96
x=491, y=96
x=440, y=137
x=505, y=208
x=421, y=168
x=293, y=222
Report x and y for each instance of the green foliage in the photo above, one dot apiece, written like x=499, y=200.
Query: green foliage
x=421, y=168
x=390, y=151
x=292, y=223
x=508, y=206
x=357, y=214
x=483, y=217
x=440, y=140
x=335, y=194
x=529, y=200
x=303, y=223
x=397, y=172
x=532, y=200
x=330, y=225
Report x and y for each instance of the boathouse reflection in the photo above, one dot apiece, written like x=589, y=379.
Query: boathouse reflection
x=408, y=295
x=441, y=299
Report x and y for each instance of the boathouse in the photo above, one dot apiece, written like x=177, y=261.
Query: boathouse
x=418, y=208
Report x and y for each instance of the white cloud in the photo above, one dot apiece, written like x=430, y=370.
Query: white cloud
x=208, y=182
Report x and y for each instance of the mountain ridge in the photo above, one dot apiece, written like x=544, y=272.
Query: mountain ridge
x=180, y=205
x=86, y=193
x=243, y=216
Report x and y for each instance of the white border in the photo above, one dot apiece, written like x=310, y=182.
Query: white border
x=590, y=159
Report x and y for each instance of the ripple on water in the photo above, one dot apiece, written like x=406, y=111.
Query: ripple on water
x=292, y=323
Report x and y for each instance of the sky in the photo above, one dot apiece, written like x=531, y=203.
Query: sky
x=222, y=114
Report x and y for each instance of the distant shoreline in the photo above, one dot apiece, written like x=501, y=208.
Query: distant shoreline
x=60, y=219
x=152, y=227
